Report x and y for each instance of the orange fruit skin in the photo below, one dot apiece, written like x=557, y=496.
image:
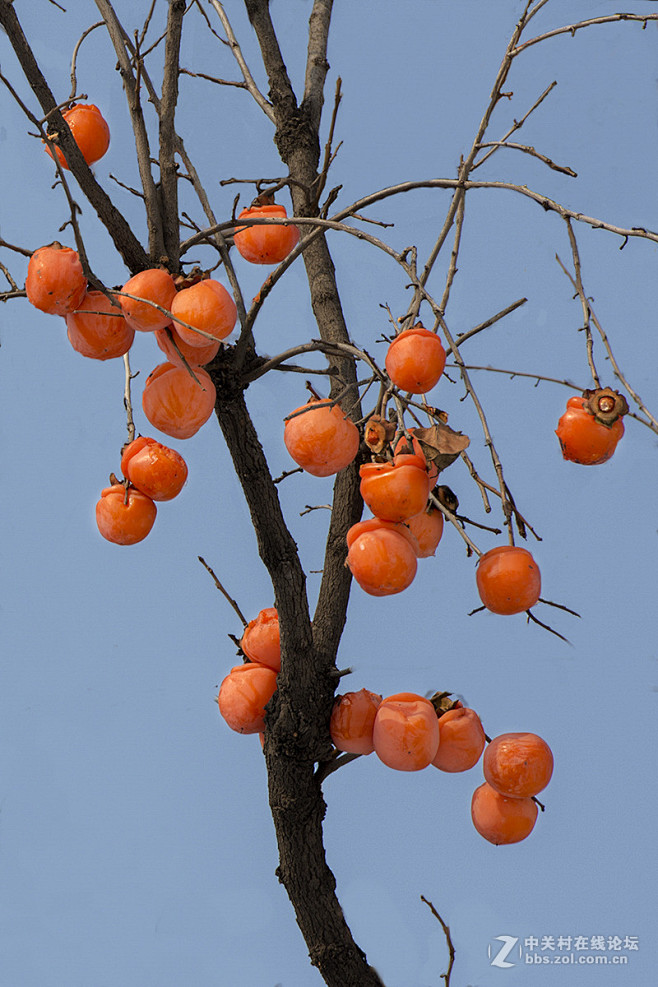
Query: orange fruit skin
x=261, y=641
x=155, y=469
x=406, y=732
x=415, y=360
x=100, y=337
x=90, y=132
x=428, y=529
x=502, y=820
x=196, y=356
x=154, y=285
x=207, y=306
x=124, y=523
x=461, y=742
x=395, y=491
x=265, y=244
x=323, y=440
x=583, y=440
x=176, y=404
x=243, y=696
x=518, y=765
x=352, y=721
x=382, y=560
x=55, y=282
x=508, y=579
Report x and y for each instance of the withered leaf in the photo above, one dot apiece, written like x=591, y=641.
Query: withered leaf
x=378, y=433
x=441, y=444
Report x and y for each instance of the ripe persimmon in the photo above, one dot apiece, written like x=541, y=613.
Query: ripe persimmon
x=415, y=360
x=207, y=306
x=124, y=515
x=55, y=281
x=352, y=721
x=406, y=732
x=382, y=556
x=176, y=403
x=395, y=491
x=154, y=285
x=155, y=469
x=461, y=741
x=243, y=696
x=518, y=765
x=584, y=437
x=260, y=640
x=500, y=819
x=265, y=244
x=90, y=132
x=98, y=329
x=428, y=529
x=320, y=438
x=174, y=348
x=508, y=579
x=402, y=446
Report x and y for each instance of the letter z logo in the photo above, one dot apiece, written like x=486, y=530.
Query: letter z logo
x=500, y=959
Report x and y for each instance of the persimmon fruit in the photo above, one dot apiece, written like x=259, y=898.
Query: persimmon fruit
x=461, y=741
x=124, y=516
x=395, y=491
x=406, y=732
x=90, y=132
x=175, y=403
x=98, y=328
x=583, y=438
x=176, y=349
x=382, y=556
x=415, y=360
x=518, y=765
x=265, y=244
x=352, y=721
x=428, y=529
x=55, y=282
x=155, y=469
x=207, y=306
x=243, y=696
x=500, y=819
x=154, y=285
x=508, y=579
x=261, y=642
x=320, y=438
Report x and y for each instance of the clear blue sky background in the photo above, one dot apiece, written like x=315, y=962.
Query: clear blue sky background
x=136, y=846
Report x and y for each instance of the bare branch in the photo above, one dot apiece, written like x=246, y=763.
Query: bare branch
x=572, y=28
x=250, y=83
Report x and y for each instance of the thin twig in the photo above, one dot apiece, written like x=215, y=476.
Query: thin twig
x=446, y=931
x=223, y=591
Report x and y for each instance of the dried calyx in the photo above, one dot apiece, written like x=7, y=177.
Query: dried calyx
x=605, y=404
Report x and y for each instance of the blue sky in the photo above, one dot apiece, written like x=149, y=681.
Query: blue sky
x=136, y=846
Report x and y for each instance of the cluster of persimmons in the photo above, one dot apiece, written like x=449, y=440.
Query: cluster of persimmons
x=190, y=318
x=407, y=732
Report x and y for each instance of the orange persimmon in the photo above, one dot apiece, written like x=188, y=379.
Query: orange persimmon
x=90, y=132
x=461, y=741
x=500, y=819
x=584, y=439
x=508, y=579
x=352, y=721
x=382, y=556
x=415, y=360
x=55, y=281
x=428, y=529
x=207, y=306
x=518, y=765
x=406, y=732
x=265, y=244
x=174, y=348
x=154, y=285
x=155, y=469
x=395, y=491
x=261, y=642
x=243, y=696
x=124, y=516
x=98, y=329
x=320, y=438
x=175, y=403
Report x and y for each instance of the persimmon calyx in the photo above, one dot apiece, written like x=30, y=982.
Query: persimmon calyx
x=378, y=433
x=605, y=405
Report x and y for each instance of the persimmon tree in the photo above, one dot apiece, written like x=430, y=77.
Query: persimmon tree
x=386, y=399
